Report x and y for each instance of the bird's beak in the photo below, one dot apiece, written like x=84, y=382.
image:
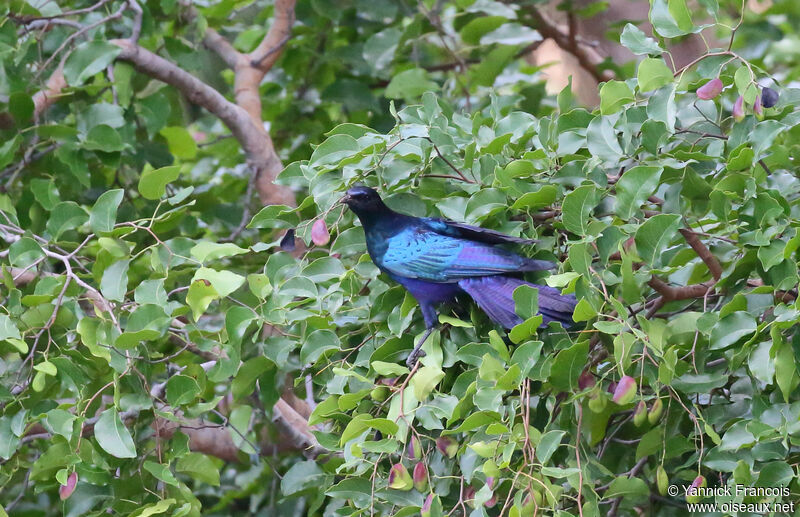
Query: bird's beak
x=344, y=200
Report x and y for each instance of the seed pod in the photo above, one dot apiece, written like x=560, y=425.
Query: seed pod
x=661, y=480
x=492, y=500
x=655, y=411
x=425, y=511
x=769, y=97
x=64, y=491
x=287, y=243
x=446, y=446
x=597, y=400
x=420, y=477
x=379, y=393
x=693, y=494
x=710, y=90
x=738, y=109
x=469, y=496
x=625, y=390
x=640, y=414
x=399, y=478
x=757, y=107
x=414, y=448
x=532, y=502
x=490, y=469
x=319, y=233
x=586, y=380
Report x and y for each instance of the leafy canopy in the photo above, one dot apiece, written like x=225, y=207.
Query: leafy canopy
x=155, y=336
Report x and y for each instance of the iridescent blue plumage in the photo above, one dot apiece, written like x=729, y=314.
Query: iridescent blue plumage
x=436, y=259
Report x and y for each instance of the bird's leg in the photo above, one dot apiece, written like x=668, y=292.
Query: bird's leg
x=417, y=353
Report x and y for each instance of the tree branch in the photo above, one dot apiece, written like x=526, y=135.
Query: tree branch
x=243, y=118
x=250, y=132
x=212, y=439
x=703, y=252
x=671, y=294
x=193, y=88
x=587, y=57
x=45, y=98
x=216, y=42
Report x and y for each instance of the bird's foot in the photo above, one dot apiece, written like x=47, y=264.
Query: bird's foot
x=414, y=356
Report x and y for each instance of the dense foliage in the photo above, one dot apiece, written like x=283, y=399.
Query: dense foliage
x=160, y=358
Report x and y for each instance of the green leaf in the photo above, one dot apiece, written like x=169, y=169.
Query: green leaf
x=389, y=369
x=88, y=59
x=576, y=208
x=634, y=187
x=629, y=488
x=181, y=390
x=410, y=85
x=527, y=355
x=638, y=42
x=59, y=421
x=21, y=107
x=114, y=283
x=103, y=214
x=200, y=295
x=785, y=364
x=654, y=235
x=245, y=380
x=601, y=139
x=425, y=380
x=8, y=329
x=8, y=149
x=47, y=368
x=680, y=13
x=153, y=182
x=526, y=301
x=661, y=16
x=652, y=74
x=613, y=96
x=205, y=251
x=276, y=216
x=303, y=475
x=65, y=216
x=160, y=472
x=731, y=329
x=200, y=467
x=548, y=445
x=474, y=421
x=103, y=138
x=472, y=32
x=662, y=106
x=113, y=436
x=238, y=425
x=333, y=150
x=568, y=366
x=180, y=142
x=224, y=282
x=9, y=441
x=545, y=196
x=317, y=343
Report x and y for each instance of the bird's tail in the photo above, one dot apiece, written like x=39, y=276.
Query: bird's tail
x=495, y=295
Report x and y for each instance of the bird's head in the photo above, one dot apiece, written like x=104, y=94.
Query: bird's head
x=362, y=200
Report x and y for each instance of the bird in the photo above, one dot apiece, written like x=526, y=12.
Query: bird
x=438, y=259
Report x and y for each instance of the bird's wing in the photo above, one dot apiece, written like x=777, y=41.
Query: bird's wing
x=474, y=233
x=417, y=252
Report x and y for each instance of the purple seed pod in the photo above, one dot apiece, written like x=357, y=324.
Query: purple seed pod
x=738, y=109
x=625, y=391
x=769, y=97
x=710, y=90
